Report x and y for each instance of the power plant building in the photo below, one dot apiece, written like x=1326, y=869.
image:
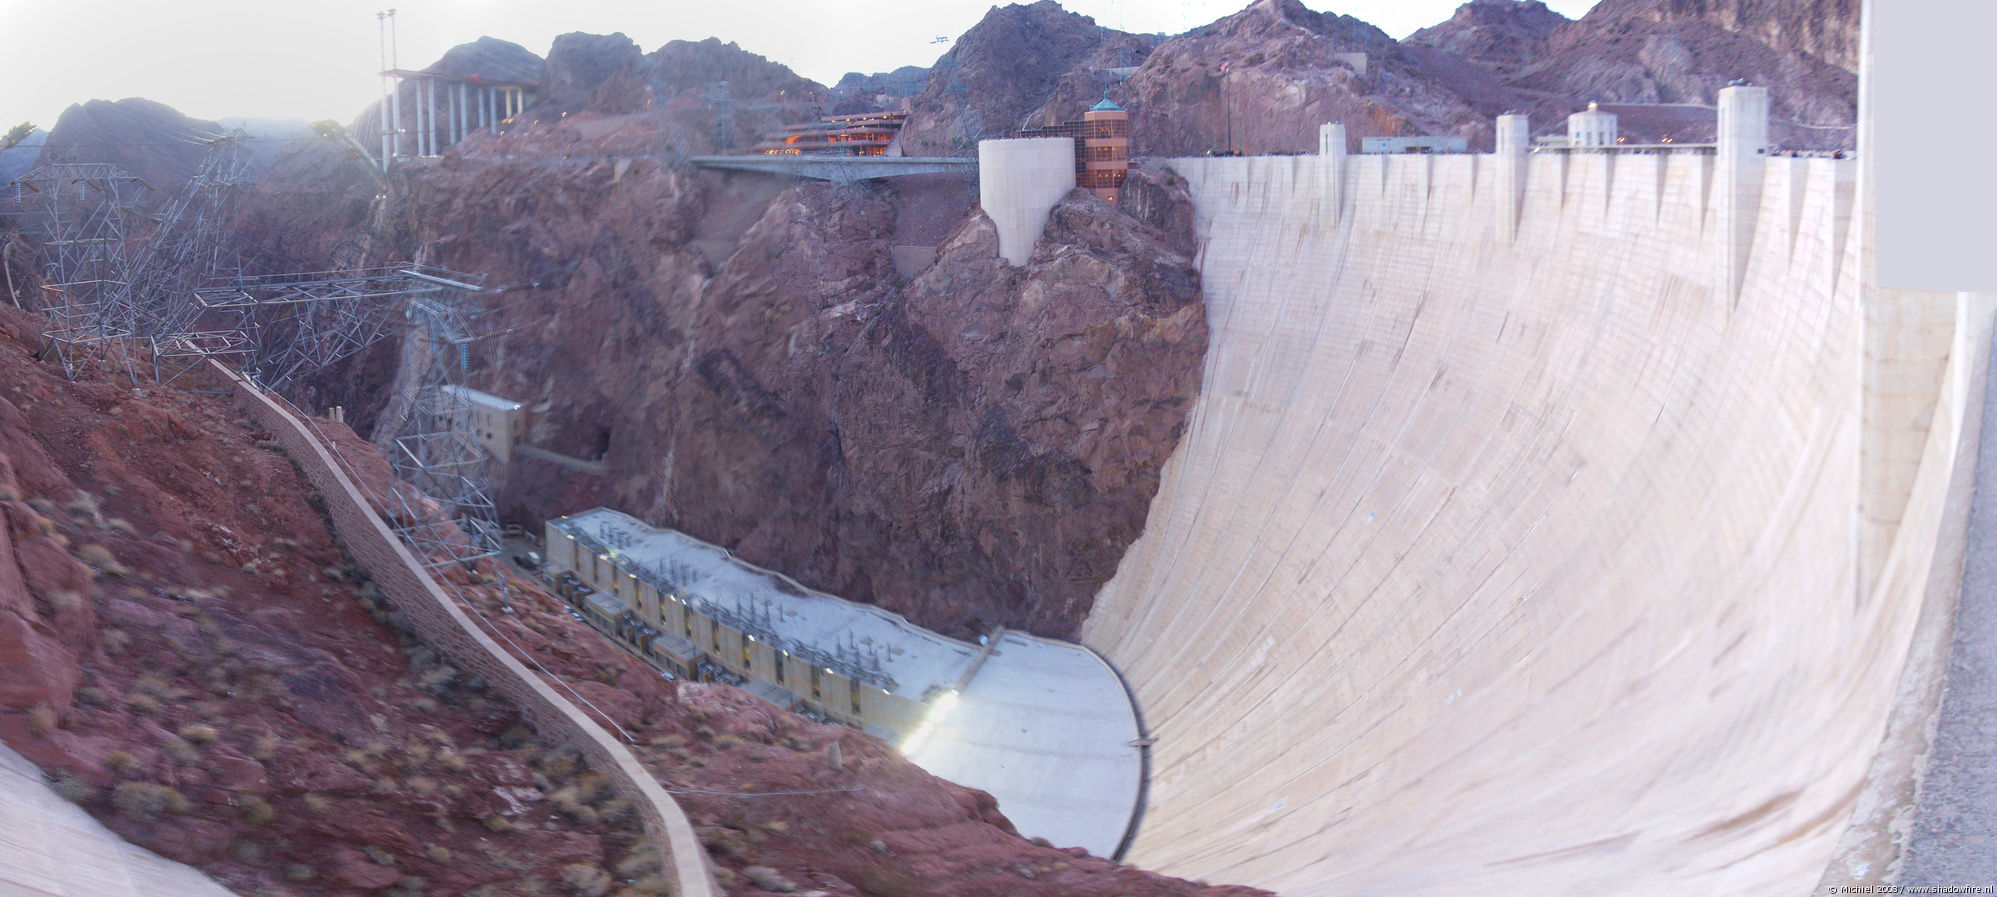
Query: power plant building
x=1045, y=726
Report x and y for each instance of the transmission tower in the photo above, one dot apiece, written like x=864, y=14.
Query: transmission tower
x=430, y=443
x=79, y=215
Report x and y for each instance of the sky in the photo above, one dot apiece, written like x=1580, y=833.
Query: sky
x=315, y=59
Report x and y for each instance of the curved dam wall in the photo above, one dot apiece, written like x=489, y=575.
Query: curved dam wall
x=50, y=847
x=1513, y=548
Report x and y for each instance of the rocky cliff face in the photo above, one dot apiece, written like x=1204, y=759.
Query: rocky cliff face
x=858, y=92
x=1006, y=68
x=147, y=139
x=1826, y=29
x=973, y=446
x=1505, y=54
x=1639, y=52
x=1503, y=36
x=1287, y=70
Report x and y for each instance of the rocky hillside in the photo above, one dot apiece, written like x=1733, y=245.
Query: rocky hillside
x=192, y=659
x=973, y=446
x=1825, y=29
x=1022, y=64
x=1288, y=69
x=1505, y=54
x=1263, y=79
x=151, y=140
x=17, y=159
x=710, y=96
x=856, y=92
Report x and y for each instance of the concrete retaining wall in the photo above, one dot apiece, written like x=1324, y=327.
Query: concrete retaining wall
x=445, y=627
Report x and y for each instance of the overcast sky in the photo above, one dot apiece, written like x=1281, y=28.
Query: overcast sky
x=313, y=59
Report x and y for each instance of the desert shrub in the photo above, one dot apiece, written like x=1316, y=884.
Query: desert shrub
x=247, y=852
x=649, y=886
x=263, y=747
x=498, y=823
x=140, y=702
x=180, y=750
x=438, y=853
x=41, y=719
x=199, y=733
x=616, y=811
x=120, y=762
x=642, y=860
x=101, y=558
x=114, y=640
x=585, y=880
x=71, y=788
x=256, y=810
x=143, y=801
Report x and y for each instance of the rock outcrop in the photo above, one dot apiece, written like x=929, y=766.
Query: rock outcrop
x=972, y=447
x=1006, y=68
x=144, y=138
x=1263, y=79
x=1506, y=54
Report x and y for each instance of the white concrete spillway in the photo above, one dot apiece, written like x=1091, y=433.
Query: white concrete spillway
x=50, y=847
x=1045, y=726
x=1544, y=525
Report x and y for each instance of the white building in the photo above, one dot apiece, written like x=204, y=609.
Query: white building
x=1591, y=128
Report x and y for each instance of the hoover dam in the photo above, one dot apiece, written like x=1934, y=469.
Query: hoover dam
x=1531, y=562
x=1581, y=516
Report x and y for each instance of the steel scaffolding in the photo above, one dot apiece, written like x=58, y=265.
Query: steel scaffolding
x=306, y=322
x=123, y=276
x=80, y=217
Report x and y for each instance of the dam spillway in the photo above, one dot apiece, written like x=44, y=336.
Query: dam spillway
x=1534, y=562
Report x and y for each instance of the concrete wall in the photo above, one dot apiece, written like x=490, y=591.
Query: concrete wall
x=445, y=627
x=50, y=847
x=1531, y=565
x=1019, y=181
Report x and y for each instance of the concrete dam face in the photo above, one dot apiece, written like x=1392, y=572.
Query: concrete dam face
x=1580, y=560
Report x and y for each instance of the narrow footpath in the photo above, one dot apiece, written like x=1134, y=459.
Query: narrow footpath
x=1954, y=842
